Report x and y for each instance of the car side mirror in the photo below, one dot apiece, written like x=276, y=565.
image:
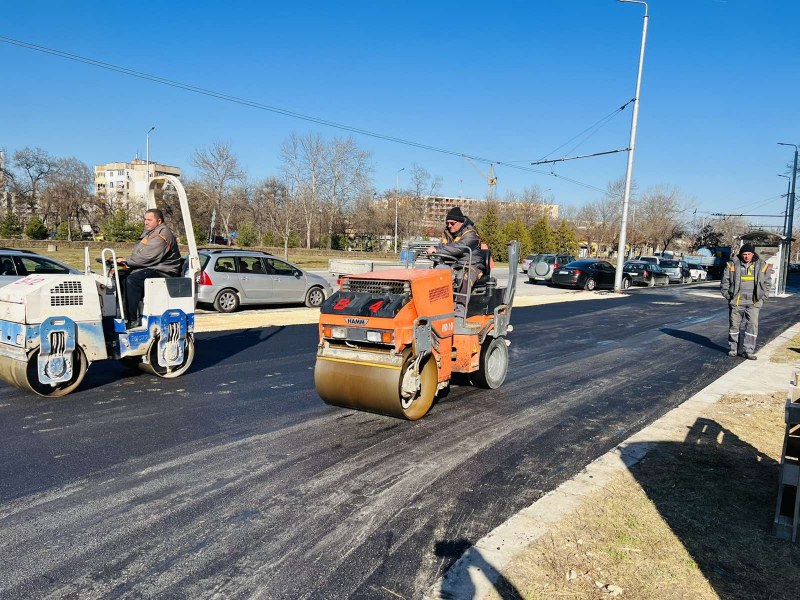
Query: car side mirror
x=297, y=272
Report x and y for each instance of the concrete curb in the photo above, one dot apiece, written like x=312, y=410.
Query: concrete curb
x=479, y=568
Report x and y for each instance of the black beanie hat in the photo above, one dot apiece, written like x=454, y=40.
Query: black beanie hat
x=455, y=214
x=747, y=248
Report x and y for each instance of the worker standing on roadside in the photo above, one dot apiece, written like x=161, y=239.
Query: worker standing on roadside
x=461, y=241
x=746, y=283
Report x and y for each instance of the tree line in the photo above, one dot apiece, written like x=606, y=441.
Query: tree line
x=323, y=196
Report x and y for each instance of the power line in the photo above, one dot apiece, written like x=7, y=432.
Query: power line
x=282, y=111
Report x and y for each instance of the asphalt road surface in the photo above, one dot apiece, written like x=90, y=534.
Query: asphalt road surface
x=236, y=481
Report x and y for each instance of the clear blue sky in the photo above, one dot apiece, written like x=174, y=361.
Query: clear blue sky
x=510, y=82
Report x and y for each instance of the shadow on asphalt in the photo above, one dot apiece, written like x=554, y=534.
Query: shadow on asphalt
x=465, y=590
x=694, y=338
x=717, y=493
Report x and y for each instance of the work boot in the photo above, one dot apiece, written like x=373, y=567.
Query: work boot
x=732, y=353
x=750, y=356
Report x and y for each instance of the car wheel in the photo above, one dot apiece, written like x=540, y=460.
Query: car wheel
x=590, y=284
x=315, y=297
x=227, y=301
x=666, y=281
x=626, y=283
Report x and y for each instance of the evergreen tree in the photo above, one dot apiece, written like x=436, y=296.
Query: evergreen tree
x=247, y=235
x=9, y=226
x=542, y=238
x=120, y=228
x=516, y=230
x=566, y=239
x=35, y=229
x=491, y=233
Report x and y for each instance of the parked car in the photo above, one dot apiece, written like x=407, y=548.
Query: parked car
x=16, y=264
x=645, y=273
x=526, y=262
x=588, y=274
x=698, y=272
x=677, y=270
x=652, y=259
x=541, y=269
x=232, y=278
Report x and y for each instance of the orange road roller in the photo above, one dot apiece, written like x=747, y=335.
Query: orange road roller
x=390, y=340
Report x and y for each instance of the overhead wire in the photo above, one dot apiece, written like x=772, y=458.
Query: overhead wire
x=297, y=115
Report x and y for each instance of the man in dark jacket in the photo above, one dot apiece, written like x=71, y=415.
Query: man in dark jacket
x=746, y=283
x=155, y=255
x=461, y=241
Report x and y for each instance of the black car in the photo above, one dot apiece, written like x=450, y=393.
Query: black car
x=588, y=274
x=646, y=273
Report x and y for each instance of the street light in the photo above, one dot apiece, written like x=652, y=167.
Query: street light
x=396, y=202
x=631, y=146
x=786, y=210
x=147, y=177
x=789, y=218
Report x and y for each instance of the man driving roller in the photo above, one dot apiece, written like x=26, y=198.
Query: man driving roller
x=461, y=241
x=156, y=254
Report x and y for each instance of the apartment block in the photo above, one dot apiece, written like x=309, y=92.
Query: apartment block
x=126, y=182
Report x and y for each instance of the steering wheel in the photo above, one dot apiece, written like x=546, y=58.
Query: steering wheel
x=437, y=258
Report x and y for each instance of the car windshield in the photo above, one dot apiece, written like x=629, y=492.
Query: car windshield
x=670, y=264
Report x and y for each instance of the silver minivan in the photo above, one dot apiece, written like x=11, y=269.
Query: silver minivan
x=232, y=278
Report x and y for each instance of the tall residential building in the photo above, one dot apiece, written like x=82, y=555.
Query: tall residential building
x=127, y=182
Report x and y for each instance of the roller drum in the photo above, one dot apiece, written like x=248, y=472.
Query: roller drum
x=373, y=387
x=25, y=375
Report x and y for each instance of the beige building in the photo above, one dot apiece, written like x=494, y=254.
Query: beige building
x=126, y=183
x=437, y=207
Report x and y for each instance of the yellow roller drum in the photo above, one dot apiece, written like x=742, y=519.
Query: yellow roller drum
x=374, y=387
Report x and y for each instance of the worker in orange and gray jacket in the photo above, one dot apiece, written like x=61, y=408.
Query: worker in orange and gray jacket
x=461, y=241
x=156, y=254
x=746, y=283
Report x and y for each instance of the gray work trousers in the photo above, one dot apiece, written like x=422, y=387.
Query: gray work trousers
x=743, y=327
x=462, y=285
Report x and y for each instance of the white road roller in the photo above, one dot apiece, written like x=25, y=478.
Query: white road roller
x=52, y=327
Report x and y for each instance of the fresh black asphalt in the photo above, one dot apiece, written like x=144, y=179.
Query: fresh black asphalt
x=236, y=481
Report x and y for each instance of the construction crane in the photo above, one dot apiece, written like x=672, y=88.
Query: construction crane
x=490, y=177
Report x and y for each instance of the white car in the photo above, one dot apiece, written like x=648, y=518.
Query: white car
x=698, y=272
x=526, y=262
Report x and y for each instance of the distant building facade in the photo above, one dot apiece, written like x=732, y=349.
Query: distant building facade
x=436, y=208
x=126, y=182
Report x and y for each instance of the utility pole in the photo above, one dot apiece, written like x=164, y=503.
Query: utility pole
x=631, y=147
x=789, y=224
x=147, y=176
x=396, y=203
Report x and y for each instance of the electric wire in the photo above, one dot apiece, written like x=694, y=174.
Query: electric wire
x=294, y=114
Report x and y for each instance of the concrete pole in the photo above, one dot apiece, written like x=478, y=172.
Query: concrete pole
x=147, y=175
x=396, y=201
x=626, y=198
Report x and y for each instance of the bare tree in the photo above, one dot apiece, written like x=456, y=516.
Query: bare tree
x=304, y=159
x=36, y=164
x=348, y=172
x=422, y=185
x=662, y=211
x=66, y=192
x=284, y=208
x=219, y=172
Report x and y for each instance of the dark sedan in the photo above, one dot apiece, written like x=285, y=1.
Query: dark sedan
x=646, y=273
x=588, y=274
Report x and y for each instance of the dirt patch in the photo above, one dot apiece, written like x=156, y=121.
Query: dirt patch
x=693, y=519
x=790, y=353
